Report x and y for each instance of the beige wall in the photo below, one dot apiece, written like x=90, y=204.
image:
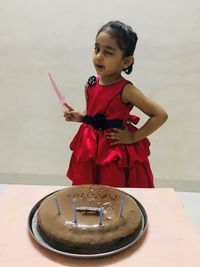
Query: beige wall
x=38, y=36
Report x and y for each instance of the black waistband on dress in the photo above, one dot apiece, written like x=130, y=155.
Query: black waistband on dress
x=99, y=122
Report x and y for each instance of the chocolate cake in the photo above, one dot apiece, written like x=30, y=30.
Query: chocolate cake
x=88, y=218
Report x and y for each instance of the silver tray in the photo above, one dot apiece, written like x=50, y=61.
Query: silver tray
x=126, y=243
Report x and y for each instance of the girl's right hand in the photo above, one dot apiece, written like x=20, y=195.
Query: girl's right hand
x=73, y=115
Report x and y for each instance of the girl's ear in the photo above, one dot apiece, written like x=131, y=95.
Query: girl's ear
x=128, y=61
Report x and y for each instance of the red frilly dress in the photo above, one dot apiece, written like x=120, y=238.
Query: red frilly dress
x=94, y=160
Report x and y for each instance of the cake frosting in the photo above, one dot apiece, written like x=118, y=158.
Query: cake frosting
x=88, y=218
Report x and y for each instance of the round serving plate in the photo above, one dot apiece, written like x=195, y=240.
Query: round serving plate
x=126, y=243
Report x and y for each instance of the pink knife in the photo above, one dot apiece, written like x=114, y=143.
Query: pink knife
x=60, y=96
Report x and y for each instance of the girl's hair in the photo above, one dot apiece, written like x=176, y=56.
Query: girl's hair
x=125, y=36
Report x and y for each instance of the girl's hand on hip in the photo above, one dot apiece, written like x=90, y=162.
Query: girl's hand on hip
x=120, y=136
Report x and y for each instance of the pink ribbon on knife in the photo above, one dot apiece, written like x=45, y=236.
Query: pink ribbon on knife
x=60, y=96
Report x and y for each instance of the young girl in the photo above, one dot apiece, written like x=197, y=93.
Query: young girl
x=108, y=149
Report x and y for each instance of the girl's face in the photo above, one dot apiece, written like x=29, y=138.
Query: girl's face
x=108, y=58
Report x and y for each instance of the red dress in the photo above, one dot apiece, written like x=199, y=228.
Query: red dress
x=94, y=160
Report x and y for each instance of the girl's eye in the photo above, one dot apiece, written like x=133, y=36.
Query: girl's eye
x=108, y=53
x=96, y=49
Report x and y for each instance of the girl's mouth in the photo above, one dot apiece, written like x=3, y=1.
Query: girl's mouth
x=98, y=66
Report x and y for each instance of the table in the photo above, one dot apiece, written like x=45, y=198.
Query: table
x=171, y=239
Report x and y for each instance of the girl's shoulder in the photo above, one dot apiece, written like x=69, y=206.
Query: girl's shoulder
x=131, y=92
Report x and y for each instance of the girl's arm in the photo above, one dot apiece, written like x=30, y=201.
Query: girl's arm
x=74, y=115
x=157, y=116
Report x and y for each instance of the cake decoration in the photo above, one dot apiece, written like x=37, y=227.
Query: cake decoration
x=101, y=216
x=57, y=203
x=74, y=210
x=91, y=210
x=122, y=205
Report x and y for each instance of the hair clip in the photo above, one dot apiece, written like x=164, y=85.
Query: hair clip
x=92, y=80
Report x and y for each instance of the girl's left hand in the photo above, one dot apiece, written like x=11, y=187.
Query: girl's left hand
x=120, y=136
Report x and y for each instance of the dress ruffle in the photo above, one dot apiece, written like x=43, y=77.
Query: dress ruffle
x=89, y=144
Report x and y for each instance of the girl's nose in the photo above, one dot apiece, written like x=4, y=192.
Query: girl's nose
x=99, y=56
